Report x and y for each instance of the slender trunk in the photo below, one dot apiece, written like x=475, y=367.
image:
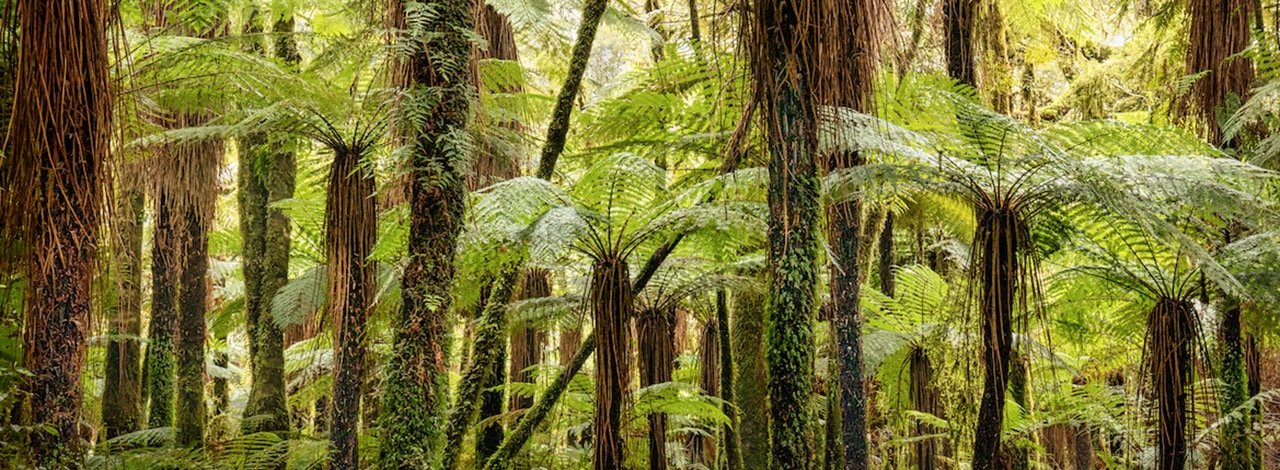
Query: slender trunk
x=488, y=354
x=657, y=359
x=958, y=36
x=997, y=239
x=558, y=128
x=997, y=72
x=416, y=379
x=611, y=303
x=843, y=235
x=351, y=223
x=122, y=388
x=886, y=256
x=1029, y=96
x=728, y=433
x=695, y=30
x=1019, y=459
x=924, y=398
x=1239, y=448
x=51, y=193
x=197, y=173
x=1170, y=337
x=526, y=341
x=493, y=401
x=750, y=393
x=166, y=252
x=266, y=262
x=703, y=449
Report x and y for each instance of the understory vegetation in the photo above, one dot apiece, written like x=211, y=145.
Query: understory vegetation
x=571, y=234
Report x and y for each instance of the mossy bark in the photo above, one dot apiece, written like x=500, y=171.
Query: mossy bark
x=793, y=253
x=488, y=355
x=958, y=38
x=351, y=219
x=845, y=226
x=416, y=381
x=1239, y=452
x=558, y=128
x=122, y=387
x=997, y=72
x=166, y=252
x=269, y=178
x=728, y=433
x=750, y=393
x=1020, y=391
x=886, y=256
x=197, y=172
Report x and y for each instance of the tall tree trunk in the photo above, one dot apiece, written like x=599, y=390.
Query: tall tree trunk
x=997, y=72
x=887, y=256
x=266, y=259
x=750, y=393
x=958, y=34
x=527, y=341
x=416, y=380
x=166, y=253
x=997, y=239
x=351, y=222
x=657, y=359
x=695, y=30
x=558, y=128
x=703, y=448
x=196, y=171
x=122, y=387
x=611, y=303
x=1238, y=446
x=1170, y=337
x=728, y=433
x=52, y=191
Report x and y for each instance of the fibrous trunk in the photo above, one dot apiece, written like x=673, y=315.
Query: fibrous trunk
x=703, y=448
x=657, y=359
x=844, y=221
x=959, y=40
x=122, y=387
x=998, y=240
x=196, y=172
x=728, y=433
x=611, y=303
x=416, y=379
x=1170, y=335
x=51, y=183
x=351, y=230
x=487, y=357
x=166, y=252
x=1239, y=448
x=924, y=398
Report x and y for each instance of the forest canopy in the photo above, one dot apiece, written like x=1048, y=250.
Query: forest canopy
x=624, y=234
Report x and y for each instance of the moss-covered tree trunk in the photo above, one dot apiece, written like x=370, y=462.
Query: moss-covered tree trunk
x=269, y=177
x=924, y=398
x=1020, y=391
x=487, y=357
x=416, y=381
x=166, y=252
x=558, y=128
x=122, y=385
x=730, y=443
x=1239, y=448
x=51, y=196
x=657, y=359
x=886, y=255
x=997, y=242
x=750, y=393
x=611, y=303
x=351, y=231
x=997, y=75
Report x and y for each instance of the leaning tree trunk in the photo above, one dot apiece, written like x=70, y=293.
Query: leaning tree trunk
x=266, y=260
x=1171, y=330
x=351, y=231
x=416, y=381
x=122, y=387
x=751, y=385
x=657, y=359
x=558, y=129
x=52, y=181
x=196, y=172
x=611, y=303
x=997, y=239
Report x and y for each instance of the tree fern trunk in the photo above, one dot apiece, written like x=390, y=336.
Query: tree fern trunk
x=351, y=222
x=730, y=443
x=197, y=173
x=958, y=35
x=166, y=253
x=1170, y=337
x=122, y=387
x=611, y=303
x=997, y=241
x=416, y=379
x=657, y=358
x=924, y=398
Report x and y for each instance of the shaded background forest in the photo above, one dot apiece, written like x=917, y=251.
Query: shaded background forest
x=590, y=234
